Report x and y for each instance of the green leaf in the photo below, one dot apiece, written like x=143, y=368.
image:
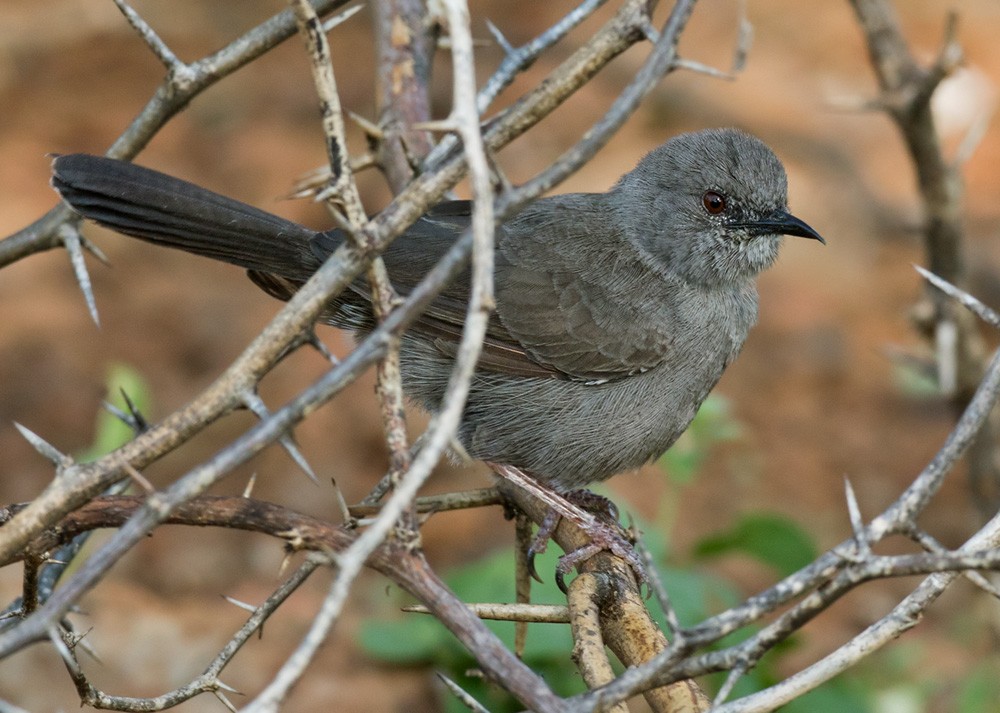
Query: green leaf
x=713, y=424
x=110, y=433
x=415, y=640
x=695, y=595
x=914, y=382
x=769, y=538
x=490, y=579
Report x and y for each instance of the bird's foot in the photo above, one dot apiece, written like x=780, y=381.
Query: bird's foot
x=602, y=528
x=600, y=507
x=594, y=515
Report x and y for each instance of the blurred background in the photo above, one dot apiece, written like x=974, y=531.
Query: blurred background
x=815, y=397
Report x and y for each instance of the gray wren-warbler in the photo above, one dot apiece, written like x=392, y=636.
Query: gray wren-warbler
x=616, y=313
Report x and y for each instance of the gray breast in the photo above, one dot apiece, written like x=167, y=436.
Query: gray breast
x=570, y=433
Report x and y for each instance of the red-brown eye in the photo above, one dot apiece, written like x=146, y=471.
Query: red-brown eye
x=714, y=202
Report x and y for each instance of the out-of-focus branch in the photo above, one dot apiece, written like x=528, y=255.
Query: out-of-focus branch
x=209, y=681
x=405, y=38
x=907, y=88
x=906, y=91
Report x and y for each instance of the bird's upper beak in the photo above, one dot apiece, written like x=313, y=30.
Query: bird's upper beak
x=783, y=223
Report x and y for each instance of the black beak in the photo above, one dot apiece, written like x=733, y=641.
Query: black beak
x=782, y=223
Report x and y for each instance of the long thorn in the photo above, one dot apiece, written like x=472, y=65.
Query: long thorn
x=985, y=313
x=149, y=36
x=44, y=447
x=70, y=237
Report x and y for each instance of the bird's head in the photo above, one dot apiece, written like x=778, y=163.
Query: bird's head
x=710, y=206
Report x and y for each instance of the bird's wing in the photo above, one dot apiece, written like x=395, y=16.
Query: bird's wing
x=561, y=312
x=408, y=259
x=577, y=297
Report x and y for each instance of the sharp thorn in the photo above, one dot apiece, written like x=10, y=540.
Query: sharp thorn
x=370, y=128
x=92, y=248
x=228, y=688
x=248, y=490
x=501, y=40
x=70, y=237
x=157, y=45
x=316, y=343
x=256, y=404
x=141, y=424
x=300, y=460
x=61, y=647
x=341, y=18
x=225, y=701
x=138, y=478
x=242, y=605
x=43, y=447
x=854, y=513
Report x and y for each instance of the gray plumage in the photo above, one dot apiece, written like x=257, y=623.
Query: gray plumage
x=616, y=312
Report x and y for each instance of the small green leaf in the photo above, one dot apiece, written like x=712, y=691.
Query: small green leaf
x=416, y=639
x=770, y=538
x=713, y=424
x=110, y=433
x=914, y=382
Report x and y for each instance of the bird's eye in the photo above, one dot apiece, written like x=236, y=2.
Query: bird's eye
x=714, y=202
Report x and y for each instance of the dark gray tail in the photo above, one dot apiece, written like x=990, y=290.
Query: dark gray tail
x=153, y=206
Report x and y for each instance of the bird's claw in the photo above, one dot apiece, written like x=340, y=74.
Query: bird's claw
x=604, y=532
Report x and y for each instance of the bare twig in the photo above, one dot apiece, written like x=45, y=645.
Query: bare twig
x=405, y=37
x=906, y=91
x=535, y=613
x=208, y=681
x=588, y=644
x=440, y=503
x=903, y=616
x=471, y=703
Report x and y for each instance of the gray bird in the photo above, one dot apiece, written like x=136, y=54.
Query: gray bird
x=616, y=313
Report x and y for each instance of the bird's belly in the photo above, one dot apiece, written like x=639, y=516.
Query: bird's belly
x=566, y=433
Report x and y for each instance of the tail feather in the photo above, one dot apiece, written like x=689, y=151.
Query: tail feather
x=160, y=209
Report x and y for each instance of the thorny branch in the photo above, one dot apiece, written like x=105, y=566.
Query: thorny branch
x=812, y=584
x=906, y=91
x=182, y=84
x=83, y=481
x=606, y=595
x=80, y=482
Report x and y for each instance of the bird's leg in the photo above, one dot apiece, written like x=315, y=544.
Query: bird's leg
x=546, y=528
x=595, y=515
x=605, y=513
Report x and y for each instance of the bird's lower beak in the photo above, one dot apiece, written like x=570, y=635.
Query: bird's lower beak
x=784, y=223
